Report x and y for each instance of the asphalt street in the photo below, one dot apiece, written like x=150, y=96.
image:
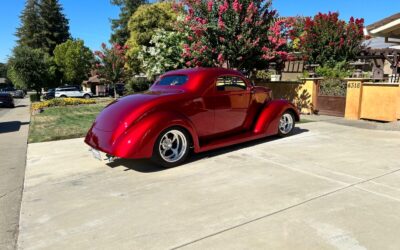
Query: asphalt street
x=14, y=126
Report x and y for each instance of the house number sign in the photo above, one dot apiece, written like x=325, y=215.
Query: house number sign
x=353, y=85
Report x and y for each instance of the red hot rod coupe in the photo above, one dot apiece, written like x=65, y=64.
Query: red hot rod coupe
x=199, y=109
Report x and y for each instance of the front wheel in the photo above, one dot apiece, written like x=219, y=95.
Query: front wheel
x=86, y=96
x=286, y=124
x=172, y=147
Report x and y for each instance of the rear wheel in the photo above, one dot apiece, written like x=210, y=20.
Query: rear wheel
x=172, y=147
x=286, y=124
x=63, y=96
x=86, y=96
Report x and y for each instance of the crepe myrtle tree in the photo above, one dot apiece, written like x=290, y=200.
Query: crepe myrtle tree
x=327, y=40
x=110, y=63
x=241, y=34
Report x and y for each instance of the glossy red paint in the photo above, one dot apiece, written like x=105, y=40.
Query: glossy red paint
x=129, y=127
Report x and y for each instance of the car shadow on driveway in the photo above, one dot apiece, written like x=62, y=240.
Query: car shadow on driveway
x=9, y=127
x=147, y=166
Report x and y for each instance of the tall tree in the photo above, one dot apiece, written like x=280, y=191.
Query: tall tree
x=146, y=21
x=3, y=70
x=74, y=60
x=29, y=32
x=54, y=25
x=111, y=63
x=327, y=39
x=120, y=26
x=30, y=68
x=241, y=34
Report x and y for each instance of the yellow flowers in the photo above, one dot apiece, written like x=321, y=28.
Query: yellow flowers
x=61, y=102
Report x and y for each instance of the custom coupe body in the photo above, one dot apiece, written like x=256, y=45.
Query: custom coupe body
x=200, y=109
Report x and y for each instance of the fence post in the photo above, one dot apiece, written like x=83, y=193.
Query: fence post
x=353, y=98
x=311, y=87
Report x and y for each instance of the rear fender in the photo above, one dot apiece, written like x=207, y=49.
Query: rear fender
x=139, y=139
x=268, y=120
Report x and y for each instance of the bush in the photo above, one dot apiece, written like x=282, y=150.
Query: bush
x=339, y=70
x=34, y=98
x=137, y=85
x=61, y=102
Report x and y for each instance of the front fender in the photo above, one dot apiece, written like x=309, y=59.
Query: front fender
x=268, y=120
x=138, y=141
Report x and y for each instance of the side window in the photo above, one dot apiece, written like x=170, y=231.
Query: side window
x=230, y=83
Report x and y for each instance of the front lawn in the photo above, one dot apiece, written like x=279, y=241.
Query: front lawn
x=58, y=123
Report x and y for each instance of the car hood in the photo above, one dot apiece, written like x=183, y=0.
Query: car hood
x=120, y=114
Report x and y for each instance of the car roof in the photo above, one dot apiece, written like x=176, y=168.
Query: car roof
x=199, y=70
x=199, y=78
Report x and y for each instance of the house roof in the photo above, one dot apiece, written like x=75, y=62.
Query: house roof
x=388, y=27
x=380, y=43
x=94, y=79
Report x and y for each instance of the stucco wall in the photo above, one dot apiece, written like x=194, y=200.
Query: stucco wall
x=302, y=93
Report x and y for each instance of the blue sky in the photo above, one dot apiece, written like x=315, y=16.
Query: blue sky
x=89, y=19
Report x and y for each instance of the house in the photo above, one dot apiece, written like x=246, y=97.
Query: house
x=384, y=47
x=96, y=85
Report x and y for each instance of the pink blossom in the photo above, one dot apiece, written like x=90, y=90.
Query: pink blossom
x=221, y=23
x=221, y=39
x=220, y=58
x=223, y=7
x=209, y=5
x=237, y=6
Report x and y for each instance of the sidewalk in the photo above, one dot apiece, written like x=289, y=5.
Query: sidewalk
x=365, y=124
x=14, y=127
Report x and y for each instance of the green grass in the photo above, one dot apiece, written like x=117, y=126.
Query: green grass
x=58, y=123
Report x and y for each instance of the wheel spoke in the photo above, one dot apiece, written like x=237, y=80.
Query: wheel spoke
x=174, y=138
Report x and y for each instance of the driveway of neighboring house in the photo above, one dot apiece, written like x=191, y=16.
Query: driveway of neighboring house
x=14, y=126
x=327, y=187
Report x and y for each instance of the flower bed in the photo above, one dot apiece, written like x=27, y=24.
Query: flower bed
x=60, y=102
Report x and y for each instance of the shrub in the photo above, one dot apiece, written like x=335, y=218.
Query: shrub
x=340, y=70
x=137, y=85
x=61, y=102
x=34, y=98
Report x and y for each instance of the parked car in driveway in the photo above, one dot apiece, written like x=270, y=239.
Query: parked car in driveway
x=200, y=109
x=16, y=93
x=49, y=94
x=72, y=91
x=6, y=100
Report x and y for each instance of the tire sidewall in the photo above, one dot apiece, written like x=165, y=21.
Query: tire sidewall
x=156, y=152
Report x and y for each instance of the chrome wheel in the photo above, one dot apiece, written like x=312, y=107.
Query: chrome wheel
x=286, y=123
x=173, y=146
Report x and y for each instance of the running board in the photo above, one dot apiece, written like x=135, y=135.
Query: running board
x=229, y=141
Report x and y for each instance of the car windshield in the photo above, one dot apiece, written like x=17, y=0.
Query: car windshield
x=177, y=80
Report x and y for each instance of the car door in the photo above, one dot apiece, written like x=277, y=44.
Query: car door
x=75, y=92
x=231, y=102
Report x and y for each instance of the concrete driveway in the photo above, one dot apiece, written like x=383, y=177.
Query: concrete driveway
x=328, y=187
